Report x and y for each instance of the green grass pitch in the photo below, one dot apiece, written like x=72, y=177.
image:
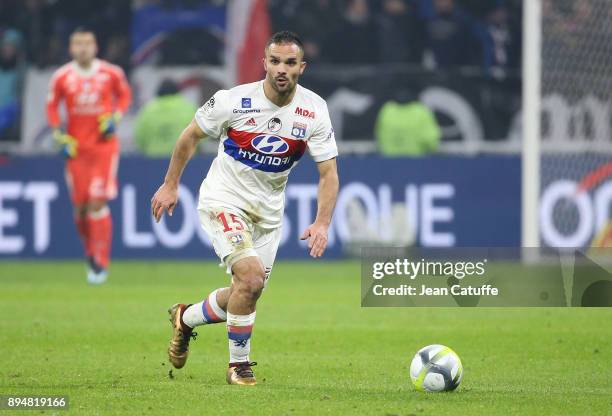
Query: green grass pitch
x=318, y=351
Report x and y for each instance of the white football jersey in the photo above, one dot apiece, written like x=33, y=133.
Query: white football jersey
x=259, y=144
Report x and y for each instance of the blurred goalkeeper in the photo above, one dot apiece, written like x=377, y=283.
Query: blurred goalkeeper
x=96, y=94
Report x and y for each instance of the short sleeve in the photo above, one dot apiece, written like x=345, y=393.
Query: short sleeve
x=213, y=117
x=322, y=144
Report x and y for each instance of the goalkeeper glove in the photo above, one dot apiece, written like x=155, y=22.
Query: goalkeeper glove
x=67, y=143
x=107, y=124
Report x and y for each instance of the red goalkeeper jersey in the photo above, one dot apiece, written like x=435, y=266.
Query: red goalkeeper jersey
x=88, y=94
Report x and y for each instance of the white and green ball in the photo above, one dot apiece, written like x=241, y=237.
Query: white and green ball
x=436, y=368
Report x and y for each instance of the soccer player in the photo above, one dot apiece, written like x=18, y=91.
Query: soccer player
x=264, y=129
x=96, y=94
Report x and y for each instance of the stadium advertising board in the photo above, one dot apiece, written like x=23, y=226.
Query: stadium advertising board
x=576, y=200
x=428, y=202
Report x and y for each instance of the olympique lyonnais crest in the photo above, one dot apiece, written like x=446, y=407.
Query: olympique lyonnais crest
x=298, y=130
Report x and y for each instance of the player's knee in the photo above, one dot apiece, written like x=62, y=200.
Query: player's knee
x=96, y=206
x=249, y=278
x=252, y=287
x=80, y=211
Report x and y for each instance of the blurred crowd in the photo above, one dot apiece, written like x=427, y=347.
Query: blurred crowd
x=45, y=25
x=482, y=35
x=437, y=34
x=433, y=33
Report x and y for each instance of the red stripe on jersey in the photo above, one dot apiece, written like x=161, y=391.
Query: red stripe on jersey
x=244, y=140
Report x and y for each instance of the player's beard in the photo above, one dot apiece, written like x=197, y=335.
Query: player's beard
x=84, y=60
x=287, y=88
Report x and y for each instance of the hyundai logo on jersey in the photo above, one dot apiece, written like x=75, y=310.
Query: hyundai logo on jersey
x=246, y=103
x=270, y=145
x=265, y=152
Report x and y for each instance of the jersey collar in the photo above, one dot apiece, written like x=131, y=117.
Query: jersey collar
x=95, y=65
x=263, y=92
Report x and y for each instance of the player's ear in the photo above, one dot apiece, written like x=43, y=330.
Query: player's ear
x=302, y=67
x=265, y=64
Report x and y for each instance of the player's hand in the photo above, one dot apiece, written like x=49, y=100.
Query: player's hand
x=67, y=144
x=107, y=124
x=164, y=200
x=317, y=239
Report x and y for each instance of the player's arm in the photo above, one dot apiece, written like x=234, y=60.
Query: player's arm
x=67, y=144
x=166, y=197
x=54, y=97
x=316, y=233
x=123, y=99
x=123, y=92
x=209, y=121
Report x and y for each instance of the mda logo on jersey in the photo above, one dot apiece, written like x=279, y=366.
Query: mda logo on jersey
x=269, y=145
x=246, y=103
x=304, y=113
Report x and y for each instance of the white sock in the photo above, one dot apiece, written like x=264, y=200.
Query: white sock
x=239, y=328
x=206, y=312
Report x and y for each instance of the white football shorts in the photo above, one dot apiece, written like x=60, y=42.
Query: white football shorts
x=235, y=237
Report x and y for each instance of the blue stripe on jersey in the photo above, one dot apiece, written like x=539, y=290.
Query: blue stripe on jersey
x=260, y=161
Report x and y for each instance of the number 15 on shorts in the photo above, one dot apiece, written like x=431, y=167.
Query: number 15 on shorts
x=234, y=223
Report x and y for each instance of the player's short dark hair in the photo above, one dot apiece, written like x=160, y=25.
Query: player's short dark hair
x=284, y=37
x=83, y=29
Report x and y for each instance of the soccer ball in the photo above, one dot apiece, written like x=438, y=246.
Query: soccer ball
x=436, y=368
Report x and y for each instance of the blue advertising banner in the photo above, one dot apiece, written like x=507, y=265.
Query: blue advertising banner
x=429, y=202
